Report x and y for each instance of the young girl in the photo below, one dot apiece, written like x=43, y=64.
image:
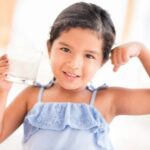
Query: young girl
x=67, y=114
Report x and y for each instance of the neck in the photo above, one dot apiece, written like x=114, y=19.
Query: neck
x=75, y=95
x=69, y=91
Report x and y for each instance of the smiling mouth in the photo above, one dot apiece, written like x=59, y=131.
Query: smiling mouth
x=71, y=75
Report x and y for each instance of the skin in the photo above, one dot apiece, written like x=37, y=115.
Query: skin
x=74, y=60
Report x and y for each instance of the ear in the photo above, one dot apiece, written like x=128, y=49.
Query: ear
x=49, y=47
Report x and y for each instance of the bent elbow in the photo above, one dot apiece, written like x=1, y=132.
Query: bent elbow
x=2, y=139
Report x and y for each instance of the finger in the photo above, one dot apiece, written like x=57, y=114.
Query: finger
x=114, y=57
x=120, y=58
x=115, y=68
x=3, y=76
x=4, y=63
x=125, y=57
x=111, y=57
x=3, y=57
x=3, y=69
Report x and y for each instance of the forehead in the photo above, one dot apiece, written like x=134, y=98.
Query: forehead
x=83, y=38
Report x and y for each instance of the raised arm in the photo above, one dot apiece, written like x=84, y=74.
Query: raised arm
x=123, y=53
x=4, y=86
x=131, y=101
x=12, y=116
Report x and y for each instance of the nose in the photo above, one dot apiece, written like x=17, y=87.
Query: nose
x=75, y=62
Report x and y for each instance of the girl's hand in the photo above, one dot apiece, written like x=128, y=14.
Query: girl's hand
x=4, y=84
x=121, y=54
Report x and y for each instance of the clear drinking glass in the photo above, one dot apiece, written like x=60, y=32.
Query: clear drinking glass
x=23, y=65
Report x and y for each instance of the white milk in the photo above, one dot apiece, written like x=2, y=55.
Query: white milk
x=23, y=66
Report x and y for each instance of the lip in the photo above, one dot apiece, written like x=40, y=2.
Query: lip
x=70, y=75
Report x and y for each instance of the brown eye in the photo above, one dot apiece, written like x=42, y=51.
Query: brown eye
x=65, y=49
x=90, y=56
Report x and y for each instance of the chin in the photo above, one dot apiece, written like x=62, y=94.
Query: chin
x=71, y=87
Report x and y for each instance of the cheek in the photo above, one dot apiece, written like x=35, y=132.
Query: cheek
x=53, y=61
x=56, y=62
x=92, y=69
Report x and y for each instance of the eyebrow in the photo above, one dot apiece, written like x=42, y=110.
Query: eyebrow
x=93, y=52
x=65, y=44
x=88, y=51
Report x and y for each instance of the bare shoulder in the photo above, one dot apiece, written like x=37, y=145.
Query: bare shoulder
x=123, y=101
x=105, y=101
x=17, y=110
x=31, y=94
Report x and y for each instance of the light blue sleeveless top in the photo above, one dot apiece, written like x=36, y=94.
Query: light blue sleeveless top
x=65, y=126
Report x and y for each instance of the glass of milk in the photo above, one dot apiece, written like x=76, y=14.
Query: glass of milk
x=23, y=65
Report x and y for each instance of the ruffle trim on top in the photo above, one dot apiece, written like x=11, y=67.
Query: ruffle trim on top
x=59, y=116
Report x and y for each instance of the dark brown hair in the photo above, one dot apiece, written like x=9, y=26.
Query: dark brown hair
x=86, y=16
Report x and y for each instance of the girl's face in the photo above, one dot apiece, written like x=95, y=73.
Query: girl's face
x=75, y=57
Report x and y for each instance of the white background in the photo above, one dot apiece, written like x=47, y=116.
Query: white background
x=32, y=22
